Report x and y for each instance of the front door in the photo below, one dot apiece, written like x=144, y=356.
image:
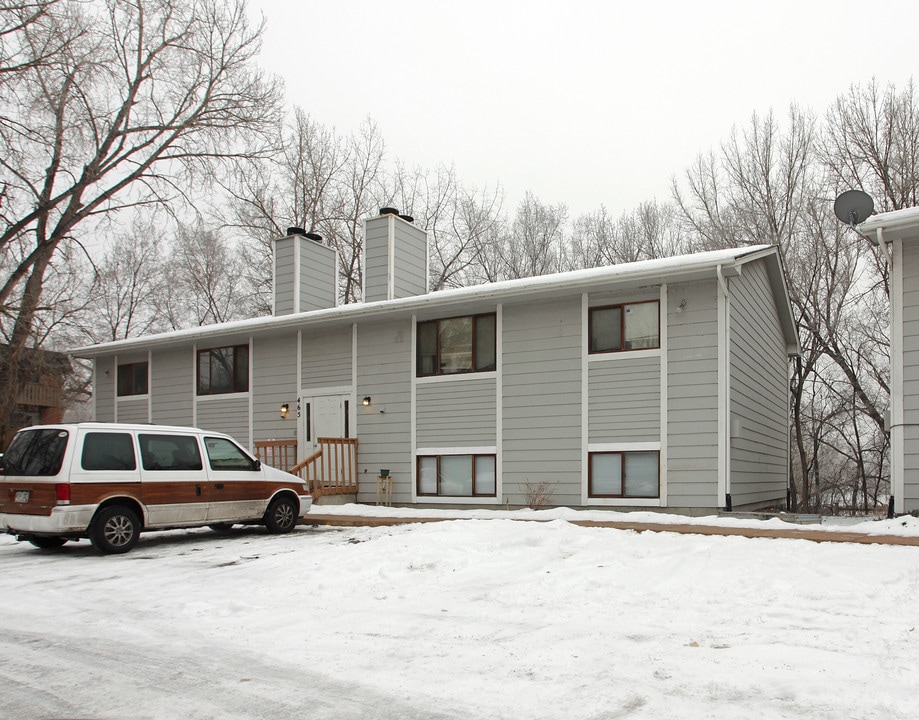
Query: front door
x=327, y=416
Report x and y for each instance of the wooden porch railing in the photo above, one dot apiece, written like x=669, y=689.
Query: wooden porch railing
x=280, y=454
x=332, y=469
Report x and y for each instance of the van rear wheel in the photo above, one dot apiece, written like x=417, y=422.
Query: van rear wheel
x=47, y=543
x=282, y=515
x=115, y=529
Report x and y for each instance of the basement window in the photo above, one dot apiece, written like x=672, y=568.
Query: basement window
x=456, y=476
x=624, y=475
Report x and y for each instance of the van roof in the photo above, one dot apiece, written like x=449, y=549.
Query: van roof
x=92, y=425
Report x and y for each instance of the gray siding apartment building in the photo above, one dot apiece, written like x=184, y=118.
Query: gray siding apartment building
x=655, y=384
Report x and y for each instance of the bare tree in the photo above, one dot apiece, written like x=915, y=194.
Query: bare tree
x=459, y=221
x=129, y=283
x=205, y=276
x=136, y=97
x=872, y=143
x=653, y=230
x=535, y=243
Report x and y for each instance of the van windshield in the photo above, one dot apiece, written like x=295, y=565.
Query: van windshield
x=36, y=453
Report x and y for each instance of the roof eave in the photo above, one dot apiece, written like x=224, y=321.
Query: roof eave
x=540, y=286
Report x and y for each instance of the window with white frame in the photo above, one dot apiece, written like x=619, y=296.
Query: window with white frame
x=627, y=474
x=620, y=328
x=456, y=345
x=223, y=370
x=456, y=476
x=132, y=379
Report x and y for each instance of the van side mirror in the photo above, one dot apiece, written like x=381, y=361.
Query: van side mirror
x=257, y=465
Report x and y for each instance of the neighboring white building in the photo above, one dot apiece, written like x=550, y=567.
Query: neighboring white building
x=898, y=233
x=655, y=384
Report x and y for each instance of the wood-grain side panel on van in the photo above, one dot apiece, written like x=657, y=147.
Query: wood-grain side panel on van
x=41, y=497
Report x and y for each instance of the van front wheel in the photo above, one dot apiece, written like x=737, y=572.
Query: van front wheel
x=115, y=529
x=282, y=515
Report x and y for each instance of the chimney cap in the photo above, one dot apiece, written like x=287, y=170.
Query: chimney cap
x=407, y=218
x=388, y=211
x=296, y=231
x=314, y=237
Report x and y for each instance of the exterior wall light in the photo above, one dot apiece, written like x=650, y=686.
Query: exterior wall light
x=285, y=408
x=366, y=401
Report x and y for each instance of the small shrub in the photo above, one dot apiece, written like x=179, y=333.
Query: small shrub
x=537, y=495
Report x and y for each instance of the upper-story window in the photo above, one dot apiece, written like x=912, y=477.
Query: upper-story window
x=132, y=379
x=223, y=370
x=617, y=328
x=456, y=345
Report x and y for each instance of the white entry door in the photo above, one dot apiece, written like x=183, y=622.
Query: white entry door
x=324, y=416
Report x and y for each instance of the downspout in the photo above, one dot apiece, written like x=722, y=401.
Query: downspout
x=896, y=376
x=724, y=389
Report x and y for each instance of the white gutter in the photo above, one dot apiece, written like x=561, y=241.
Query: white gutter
x=648, y=271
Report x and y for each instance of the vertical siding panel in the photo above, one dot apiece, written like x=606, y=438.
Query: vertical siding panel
x=104, y=389
x=326, y=358
x=228, y=415
x=542, y=399
x=172, y=375
x=759, y=391
x=384, y=366
x=692, y=395
x=910, y=355
x=625, y=400
x=456, y=413
x=274, y=382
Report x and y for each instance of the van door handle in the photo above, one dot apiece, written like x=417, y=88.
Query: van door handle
x=198, y=490
x=218, y=486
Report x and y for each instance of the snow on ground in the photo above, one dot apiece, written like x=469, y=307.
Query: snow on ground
x=463, y=619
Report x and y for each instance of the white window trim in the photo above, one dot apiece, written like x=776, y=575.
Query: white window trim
x=453, y=500
x=496, y=450
x=614, y=355
x=659, y=501
x=453, y=377
x=587, y=447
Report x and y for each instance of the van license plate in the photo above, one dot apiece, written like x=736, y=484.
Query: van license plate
x=22, y=496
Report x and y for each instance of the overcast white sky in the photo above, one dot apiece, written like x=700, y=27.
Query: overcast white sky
x=581, y=102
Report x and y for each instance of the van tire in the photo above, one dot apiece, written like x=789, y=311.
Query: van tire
x=115, y=530
x=47, y=543
x=282, y=515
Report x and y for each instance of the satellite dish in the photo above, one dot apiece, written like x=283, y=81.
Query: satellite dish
x=853, y=207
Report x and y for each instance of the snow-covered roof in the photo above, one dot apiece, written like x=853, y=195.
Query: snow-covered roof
x=894, y=225
x=685, y=268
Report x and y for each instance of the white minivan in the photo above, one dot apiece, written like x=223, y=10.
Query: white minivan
x=110, y=481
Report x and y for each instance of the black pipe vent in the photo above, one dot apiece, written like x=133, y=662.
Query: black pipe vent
x=296, y=231
x=407, y=218
x=314, y=237
x=388, y=211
